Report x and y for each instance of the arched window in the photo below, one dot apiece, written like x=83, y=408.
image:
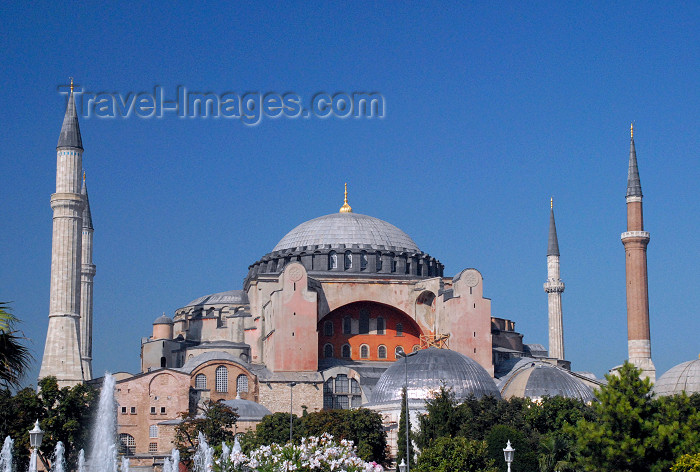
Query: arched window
x=381, y=352
x=380, y=325
x=242, y=383
x=328, y=328
x=332, y=260
x=379, y=262
x=363, y=261
x=364, y=351
x=364, y=321
x=416, y=348
x=348, y=260
x=399, y=329
x=200, y=382
x=222, y=379
x=398, y=351
x=127, y=443
x=347, y=325
x=328, y=350
x=345, y=351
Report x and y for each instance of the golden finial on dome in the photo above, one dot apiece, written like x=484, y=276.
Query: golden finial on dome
x=551, y=203
x=346, y=208
x=632, y=130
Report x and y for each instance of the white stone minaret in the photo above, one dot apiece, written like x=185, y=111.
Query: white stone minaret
x=86, y=276
x=62, y=349
x=554, y=288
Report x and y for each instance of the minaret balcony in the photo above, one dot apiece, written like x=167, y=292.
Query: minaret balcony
x=643, y=235
x=554, y=286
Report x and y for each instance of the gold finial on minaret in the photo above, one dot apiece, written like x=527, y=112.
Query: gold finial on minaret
x=551, y=203
x=346, y=208
x=71, y=84
x=632, y=130
x=83, y=176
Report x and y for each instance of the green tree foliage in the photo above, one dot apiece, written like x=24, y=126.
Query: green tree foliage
x=216, y=422
x=64, y=414
x=633, y=431
x=449, y=454
x=525, y=448
x=687, y=463
x=361, y=426
x=15, y=358
x=404, y=426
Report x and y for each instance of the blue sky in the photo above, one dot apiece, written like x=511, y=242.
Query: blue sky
x=491, y=108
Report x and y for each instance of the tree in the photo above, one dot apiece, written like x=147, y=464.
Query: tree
x=687, y=463
x=447, y=454
x=273, y=429
x=215, y=422
x=15, y=358
x=442, y=418
x=633, y=431
x=525, y=447
x=404, y=430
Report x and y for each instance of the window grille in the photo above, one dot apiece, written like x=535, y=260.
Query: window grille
x=364, y=351
x=381, y=352
x=242, y=383
x=153, y=431
x=200, y=382
x=222, y=379
x=128, y=444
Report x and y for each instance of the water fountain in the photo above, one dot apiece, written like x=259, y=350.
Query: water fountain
x=59, y=462
x=6, y=455
x=204, y=457
x=81, y=461
x=125, y=464
x=103, y=453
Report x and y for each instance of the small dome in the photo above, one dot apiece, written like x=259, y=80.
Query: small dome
x=234, y=297
x=428, y=369
x=684, y=377
x=347, y=229
x=247, y=410
x=538, y=379
x=163, y=320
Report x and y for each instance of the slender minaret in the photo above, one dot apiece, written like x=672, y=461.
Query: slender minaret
x=635, y=240
x=554, y=288
x=62, y=349
x=86, y=276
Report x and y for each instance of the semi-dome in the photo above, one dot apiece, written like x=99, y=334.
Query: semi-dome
x=684, y=377
x=348, y=229
x=538, y=379
x=428, y=370
x=247, y=410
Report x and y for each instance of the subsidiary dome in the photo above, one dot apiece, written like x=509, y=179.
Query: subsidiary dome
x=247, y=410
x=684, y=377
x=429, y=369
x=539, y=379
x=348, y=229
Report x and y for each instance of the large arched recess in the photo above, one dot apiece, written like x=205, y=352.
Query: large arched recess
x=408, y=337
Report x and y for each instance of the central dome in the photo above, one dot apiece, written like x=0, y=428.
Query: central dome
x=347, y=229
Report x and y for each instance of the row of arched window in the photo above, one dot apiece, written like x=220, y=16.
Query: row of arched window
x=346, y=351
x=221, y=381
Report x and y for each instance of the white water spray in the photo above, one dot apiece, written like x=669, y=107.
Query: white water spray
x=6, y=455
x=59, y=462
x=204, y=457
x=103, y=455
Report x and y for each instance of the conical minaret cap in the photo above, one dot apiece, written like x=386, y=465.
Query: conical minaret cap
x=70, y=131
x=634, y=185
x=553, y=244
x=87, y=216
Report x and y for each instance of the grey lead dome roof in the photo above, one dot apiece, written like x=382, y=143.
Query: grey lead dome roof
x=247, y=410
x=348, y=229
x=428, y=369
x=538, y=379
x=684, y=377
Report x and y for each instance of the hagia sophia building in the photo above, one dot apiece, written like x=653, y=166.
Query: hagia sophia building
x=342, y=313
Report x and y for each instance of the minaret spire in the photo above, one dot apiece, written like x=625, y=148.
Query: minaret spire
x=554, y=288
x=635, y=240
x=62, y=357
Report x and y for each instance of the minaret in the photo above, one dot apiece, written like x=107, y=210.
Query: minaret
x=62, y=349
x=86, y=276
x=554, y=288
x=635, y=240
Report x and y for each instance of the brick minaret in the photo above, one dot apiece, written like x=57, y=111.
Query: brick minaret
x=62, y=349
x=86, y=276
x=635, y=240
x=554, y=288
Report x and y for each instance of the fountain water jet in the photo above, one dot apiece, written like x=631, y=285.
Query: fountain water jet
x=59, y=463
x=103, y=455
x=6, y=455
x=81, y=461
x=125, y=464
x=204, y=457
